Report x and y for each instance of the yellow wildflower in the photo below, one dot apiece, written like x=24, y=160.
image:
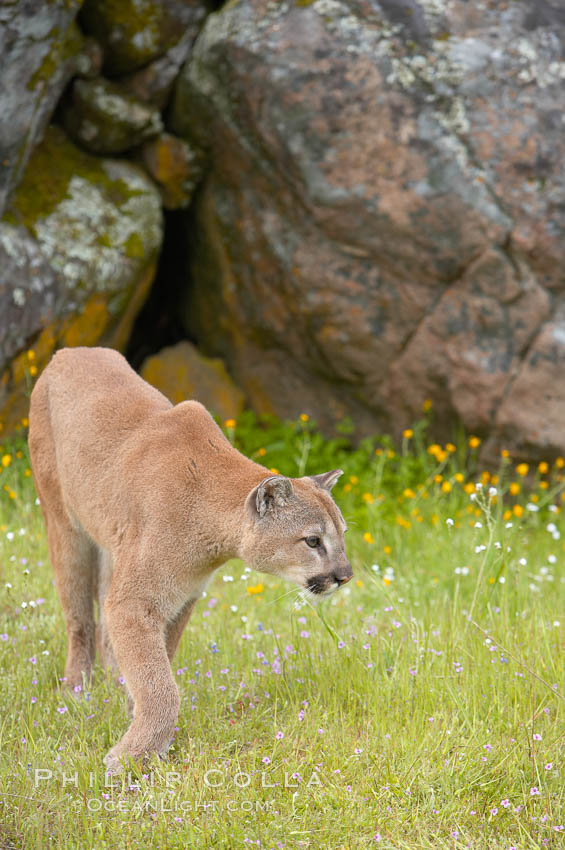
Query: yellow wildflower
x=514, y=488
x=518, y=510
x=409, y=494
x=543, y=467
x=427, y=405
x=408, y=433
x=446, y=487
x=449, y=447
x=274, y=470
x=31, y=354
x=387, y=550
x=368, y=537
x=6, y=460
x=304, y=417
x=560, y=462
x=459, y=477
x=474, y=442
x=522, y=469
x=262, y=452
x=368, y=497
x=469, y=487
x=354, y=479
x=255, y=588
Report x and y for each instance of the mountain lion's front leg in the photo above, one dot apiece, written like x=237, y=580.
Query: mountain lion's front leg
x=137, y=632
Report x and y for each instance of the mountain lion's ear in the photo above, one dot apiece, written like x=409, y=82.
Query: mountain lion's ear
x=327, y=479
x=273, y=492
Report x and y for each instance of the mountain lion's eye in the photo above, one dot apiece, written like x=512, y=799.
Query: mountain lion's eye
x=312, y=541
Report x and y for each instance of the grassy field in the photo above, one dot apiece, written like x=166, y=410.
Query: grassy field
x=420, y=707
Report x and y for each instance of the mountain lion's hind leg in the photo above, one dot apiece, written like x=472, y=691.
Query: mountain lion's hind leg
x=177, y=626
x=72, y=553
x=103, y=638
x=73, y=557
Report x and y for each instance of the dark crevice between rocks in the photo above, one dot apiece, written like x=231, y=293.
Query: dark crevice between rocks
x=158, y=323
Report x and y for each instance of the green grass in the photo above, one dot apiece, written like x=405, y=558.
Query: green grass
x=419, y=707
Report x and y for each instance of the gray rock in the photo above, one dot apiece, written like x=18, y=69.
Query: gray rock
x=154, y=83
x=383, y=217
x=38, y=45
x=31, y=292
x=135, y=32
x=102, y=119
x=88, y=63
x=94, y=229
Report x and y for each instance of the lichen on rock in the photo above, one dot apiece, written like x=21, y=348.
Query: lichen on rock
x=90, y=216
x=103, y=119
x=93, y=230
x=39, y=44
x=134, y=32
x=180, y=372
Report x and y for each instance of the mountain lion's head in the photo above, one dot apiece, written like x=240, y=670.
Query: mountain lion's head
x=294, y=529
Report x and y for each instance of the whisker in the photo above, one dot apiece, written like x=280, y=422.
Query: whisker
x=295, y=590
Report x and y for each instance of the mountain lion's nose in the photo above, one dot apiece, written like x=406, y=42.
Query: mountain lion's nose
x=343, y=576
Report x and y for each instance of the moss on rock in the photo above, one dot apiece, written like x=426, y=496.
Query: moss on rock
x=97, y=221
x=98, y=225
x=134, y=32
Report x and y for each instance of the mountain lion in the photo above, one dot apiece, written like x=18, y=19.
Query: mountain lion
x=143, y=501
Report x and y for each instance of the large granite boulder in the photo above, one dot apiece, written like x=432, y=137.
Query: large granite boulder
x=39, y=46
x=383, y=219
x=78, y=250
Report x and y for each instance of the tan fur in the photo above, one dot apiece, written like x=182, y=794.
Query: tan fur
x=142, y=502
